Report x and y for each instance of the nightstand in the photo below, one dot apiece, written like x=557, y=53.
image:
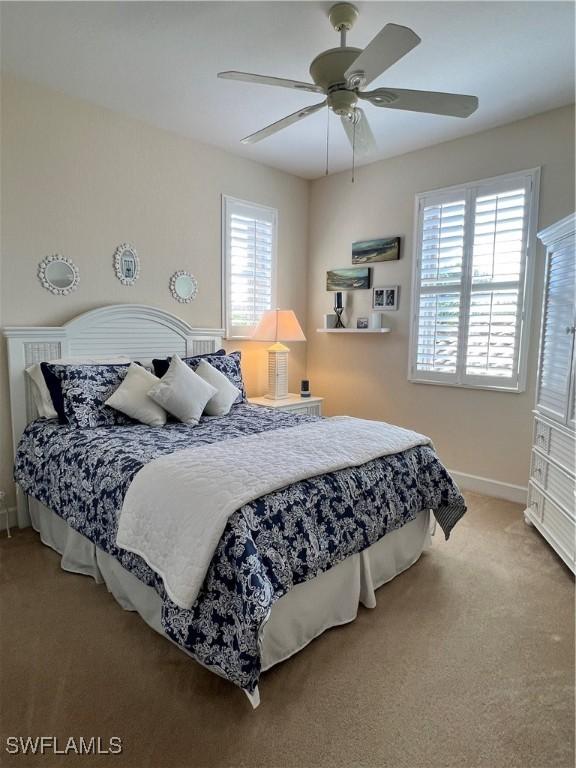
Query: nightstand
x=312, y=406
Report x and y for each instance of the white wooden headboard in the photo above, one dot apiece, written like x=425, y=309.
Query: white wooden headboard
x=135, y=330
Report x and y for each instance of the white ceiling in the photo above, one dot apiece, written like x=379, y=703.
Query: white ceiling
x=157, y=61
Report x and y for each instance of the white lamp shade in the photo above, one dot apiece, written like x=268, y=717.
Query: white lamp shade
x=278, y=325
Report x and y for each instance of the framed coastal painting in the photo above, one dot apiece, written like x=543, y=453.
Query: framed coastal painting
x=371, y=251
x=348, y=279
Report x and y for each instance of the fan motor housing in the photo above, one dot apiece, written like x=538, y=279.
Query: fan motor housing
x=327, y=69
x=342, y=102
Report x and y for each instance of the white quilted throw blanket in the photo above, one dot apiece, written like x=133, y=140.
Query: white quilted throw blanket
x=177, y=506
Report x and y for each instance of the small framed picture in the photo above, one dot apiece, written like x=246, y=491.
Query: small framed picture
x=128, y=268
x=362, y=322
x=385, y=298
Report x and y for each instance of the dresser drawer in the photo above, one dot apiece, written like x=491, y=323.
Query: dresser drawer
x=553, y=523
x=557, y=443
x=542, y=435
x=558, y=484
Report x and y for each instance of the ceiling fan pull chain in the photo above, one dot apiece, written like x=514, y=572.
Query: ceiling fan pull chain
x=327, y=137
x=353, y=147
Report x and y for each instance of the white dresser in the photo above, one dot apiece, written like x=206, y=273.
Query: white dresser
x=551, y=497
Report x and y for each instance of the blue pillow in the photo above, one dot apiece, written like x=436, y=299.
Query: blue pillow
x=82, y=391
x=162, y=365
x=53, y=384
x=228, y=364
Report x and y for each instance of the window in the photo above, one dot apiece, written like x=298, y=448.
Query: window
x=472, y=283
x=248, y=264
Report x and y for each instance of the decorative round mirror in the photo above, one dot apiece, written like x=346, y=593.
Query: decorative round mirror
x=58, y=274
x=126, y=264
x=183, y=286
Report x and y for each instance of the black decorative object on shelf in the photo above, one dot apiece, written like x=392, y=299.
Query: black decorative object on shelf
x=339, y=309
x=304, y=388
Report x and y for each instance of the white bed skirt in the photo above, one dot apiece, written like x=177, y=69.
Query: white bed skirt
x=295, y=620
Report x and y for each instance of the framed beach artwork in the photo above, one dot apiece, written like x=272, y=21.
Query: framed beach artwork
x=385, y=298
x=371, y=251
x=348, y=279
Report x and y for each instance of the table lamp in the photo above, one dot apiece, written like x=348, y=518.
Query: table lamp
x=278, y=325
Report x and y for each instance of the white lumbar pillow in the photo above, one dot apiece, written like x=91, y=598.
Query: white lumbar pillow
x=226, y=394
x=132, y=398
x=182, y=393
x=41, y=393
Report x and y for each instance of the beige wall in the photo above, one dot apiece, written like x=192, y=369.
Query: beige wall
x=78, y=180
x=476, y=432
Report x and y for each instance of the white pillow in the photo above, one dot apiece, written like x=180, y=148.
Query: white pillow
x=226, y=393
x=40, y=391
x=131, y=397
x=182, y=393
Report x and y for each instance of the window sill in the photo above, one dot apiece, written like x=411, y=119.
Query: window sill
x=518, y=390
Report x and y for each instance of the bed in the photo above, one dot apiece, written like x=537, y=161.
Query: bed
x=288, y=564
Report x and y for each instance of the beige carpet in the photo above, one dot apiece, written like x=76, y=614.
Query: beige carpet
x=468, y=660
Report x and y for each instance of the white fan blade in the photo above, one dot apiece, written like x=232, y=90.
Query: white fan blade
x=248, y=77
x=390, y=44
x=284, y=123
x=359, y=133
x=433, y=102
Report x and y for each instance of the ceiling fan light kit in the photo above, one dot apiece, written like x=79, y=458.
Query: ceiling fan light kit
x=341, y=74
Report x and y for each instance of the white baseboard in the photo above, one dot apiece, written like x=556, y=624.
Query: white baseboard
x=490, y=487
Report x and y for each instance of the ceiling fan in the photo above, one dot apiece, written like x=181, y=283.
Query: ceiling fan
x=341, y=74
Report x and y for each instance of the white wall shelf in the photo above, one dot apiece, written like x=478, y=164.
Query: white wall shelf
x=353, y=330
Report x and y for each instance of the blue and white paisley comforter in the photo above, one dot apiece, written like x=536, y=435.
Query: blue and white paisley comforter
x=269, y=545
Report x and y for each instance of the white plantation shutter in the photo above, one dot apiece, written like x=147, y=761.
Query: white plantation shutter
x=556, y=341
x=441, y=260
x=472, y=277
x=249, y=264
x=492, y=344
x=439, y=315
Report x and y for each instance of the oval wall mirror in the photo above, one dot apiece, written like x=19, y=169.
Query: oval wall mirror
x=126, y=264
x=183, y=286
x=58, y=274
